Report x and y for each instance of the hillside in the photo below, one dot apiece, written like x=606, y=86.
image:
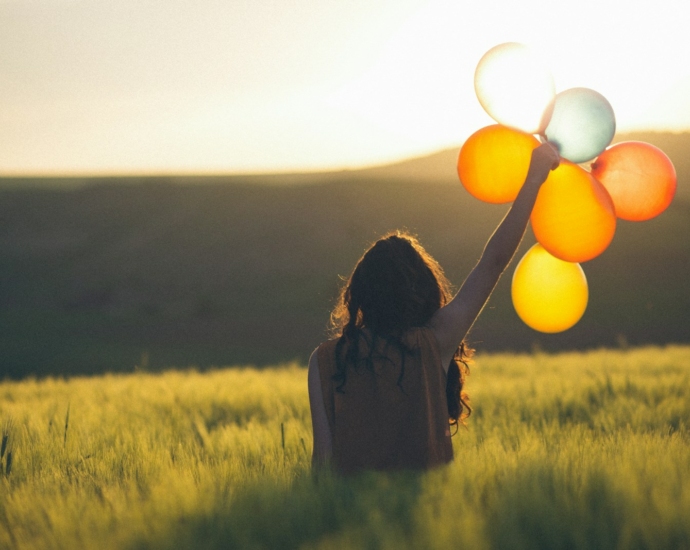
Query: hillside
x=106, y=274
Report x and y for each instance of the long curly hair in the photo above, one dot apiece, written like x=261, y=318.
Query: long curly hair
x=396, y=285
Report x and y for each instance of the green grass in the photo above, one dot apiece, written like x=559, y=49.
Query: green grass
x=578, y=450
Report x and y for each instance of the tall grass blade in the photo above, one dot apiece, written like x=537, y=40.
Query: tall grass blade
x=64, y=441
x=6, y=447
x=6, y=432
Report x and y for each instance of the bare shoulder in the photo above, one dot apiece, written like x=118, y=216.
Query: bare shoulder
x=313, y=369
x=323, y=442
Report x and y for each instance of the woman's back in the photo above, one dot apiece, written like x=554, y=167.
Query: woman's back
x=384, y=420
x=392, y=416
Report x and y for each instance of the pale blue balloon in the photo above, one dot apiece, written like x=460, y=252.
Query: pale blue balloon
x=582, y=124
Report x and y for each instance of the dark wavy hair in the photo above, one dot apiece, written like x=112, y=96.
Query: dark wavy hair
x=396, y=285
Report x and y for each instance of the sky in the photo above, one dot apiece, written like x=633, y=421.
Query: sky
x=92, y=87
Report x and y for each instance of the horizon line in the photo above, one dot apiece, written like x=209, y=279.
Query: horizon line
x=204, y=173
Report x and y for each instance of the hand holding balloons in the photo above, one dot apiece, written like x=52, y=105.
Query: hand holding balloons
x=574, y=217
x=544, y=159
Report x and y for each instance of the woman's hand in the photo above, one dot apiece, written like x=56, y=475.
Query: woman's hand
x=544, y=159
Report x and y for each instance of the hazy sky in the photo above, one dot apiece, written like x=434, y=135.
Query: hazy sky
x=131, y=86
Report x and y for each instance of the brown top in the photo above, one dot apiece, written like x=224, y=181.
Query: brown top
x=380, y=425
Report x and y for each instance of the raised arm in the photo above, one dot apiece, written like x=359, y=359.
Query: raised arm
x=451, y=323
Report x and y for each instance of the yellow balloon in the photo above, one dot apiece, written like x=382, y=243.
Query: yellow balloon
x=549, y=295
x=573, y=217
x=493, y=163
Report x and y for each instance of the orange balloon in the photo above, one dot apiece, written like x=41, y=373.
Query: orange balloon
x=639, y=177
x=573, y=218
x=493, y=163
x=549, y=295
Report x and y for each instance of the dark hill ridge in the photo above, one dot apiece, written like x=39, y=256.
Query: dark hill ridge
x=438, y=167
x=192, y=271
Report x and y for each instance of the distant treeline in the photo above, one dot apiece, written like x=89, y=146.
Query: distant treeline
x=123, y=273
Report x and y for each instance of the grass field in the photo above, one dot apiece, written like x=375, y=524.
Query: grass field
x=578, y=450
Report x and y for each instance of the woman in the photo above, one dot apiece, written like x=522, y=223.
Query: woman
x=386, y=391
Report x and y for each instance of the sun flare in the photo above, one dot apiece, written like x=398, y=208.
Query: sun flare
x=260, y=87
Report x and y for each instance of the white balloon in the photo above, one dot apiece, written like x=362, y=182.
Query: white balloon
x=515, y=87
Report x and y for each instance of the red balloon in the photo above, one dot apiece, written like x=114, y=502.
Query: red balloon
x=574, y=217
x=639, y=177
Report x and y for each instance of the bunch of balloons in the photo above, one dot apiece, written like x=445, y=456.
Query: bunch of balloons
x=574, y=217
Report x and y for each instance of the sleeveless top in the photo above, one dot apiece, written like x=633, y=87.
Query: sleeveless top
x=381, y=421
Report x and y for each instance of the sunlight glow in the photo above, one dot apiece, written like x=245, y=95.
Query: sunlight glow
x=261, y=86
x=515, y=87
